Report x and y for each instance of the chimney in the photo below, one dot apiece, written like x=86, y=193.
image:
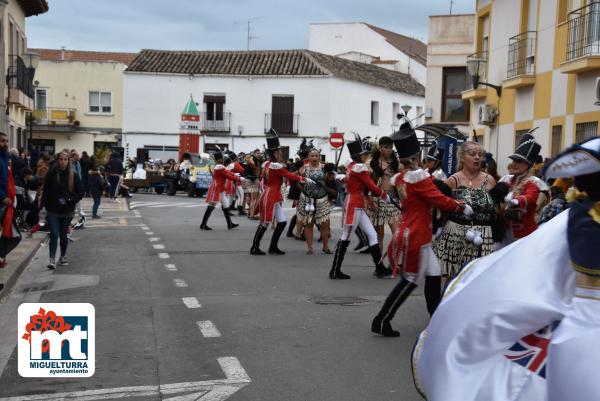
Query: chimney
x=62, y=53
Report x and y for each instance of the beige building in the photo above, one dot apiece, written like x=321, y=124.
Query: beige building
x=450, y=41
x=78, y=100
x=18, y=67
x=544, y=55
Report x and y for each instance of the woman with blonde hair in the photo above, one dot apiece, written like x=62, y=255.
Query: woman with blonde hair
x=466, y=238
x=62, y=191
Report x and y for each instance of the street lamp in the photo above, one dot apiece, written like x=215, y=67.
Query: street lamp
x=476, y=66
x=406, y=108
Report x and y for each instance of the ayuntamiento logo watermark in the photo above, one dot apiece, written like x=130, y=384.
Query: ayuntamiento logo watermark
x=56, y=340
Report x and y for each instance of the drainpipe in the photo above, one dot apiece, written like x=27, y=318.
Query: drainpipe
x=4, y=126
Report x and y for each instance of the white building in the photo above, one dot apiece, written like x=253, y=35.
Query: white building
x=367, y=43
x=243, y=94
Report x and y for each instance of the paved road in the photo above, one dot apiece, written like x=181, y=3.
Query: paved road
x=186, y=314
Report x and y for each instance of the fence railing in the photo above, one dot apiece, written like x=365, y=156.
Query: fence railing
x=283, y=123
x=584, y=32
x=20, y=77
x=215, y=122
x=55, y=116
x=521, y=54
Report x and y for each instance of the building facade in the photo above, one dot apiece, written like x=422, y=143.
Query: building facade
x=17, y=83
x=450, y=41
x=78, y=100
x=242, y=95
x=366, y=43
x=545, y=57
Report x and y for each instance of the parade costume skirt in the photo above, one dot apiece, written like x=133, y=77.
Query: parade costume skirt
x=250, y=187
x=386, y=213
x=321, y=213
x=454, y=251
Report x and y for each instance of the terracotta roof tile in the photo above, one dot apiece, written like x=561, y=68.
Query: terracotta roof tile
x=271, y=63
x=80, y=55
x=413, y=47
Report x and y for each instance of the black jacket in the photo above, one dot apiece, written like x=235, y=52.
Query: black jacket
x=56, y=197
x=114, y=166
x=97, y=184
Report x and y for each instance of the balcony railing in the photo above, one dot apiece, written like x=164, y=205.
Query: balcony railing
x=283, y=123
x=55, y=116
x=218, y=122
x=521, y=54
x=19, y=77
x=584, y=32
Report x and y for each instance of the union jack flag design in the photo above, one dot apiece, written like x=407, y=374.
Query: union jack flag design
x=531, y=351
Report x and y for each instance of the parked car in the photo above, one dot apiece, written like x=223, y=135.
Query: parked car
x=196, y=181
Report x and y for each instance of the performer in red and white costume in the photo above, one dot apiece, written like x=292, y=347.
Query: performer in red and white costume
x=413, y=240
x=270, y=200
x=216, y=193
x=358, y=181
x=234, y=190
x=520, y=215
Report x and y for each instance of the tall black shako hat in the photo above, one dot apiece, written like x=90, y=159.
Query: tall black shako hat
x=579, y=159
x=528, y=149
x=218, y=154
x=304, y=149
x=405, y=141
x=273, y=141
x=434, y=153
x=356, y=147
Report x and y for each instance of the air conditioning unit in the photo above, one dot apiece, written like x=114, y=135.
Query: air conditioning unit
x=486, y=114
x=597, y=103
x=428, y=112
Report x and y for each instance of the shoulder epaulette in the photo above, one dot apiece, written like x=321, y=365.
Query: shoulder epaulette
x=414, y=176
x=360, y=168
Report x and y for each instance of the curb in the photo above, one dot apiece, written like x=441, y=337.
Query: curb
x=16, y=273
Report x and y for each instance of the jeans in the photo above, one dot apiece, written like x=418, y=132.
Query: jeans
x=96, y=205
x=58, y=229
x=114, y=183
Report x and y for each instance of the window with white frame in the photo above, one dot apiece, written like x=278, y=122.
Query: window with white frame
x=41, y=98
x=100, y=102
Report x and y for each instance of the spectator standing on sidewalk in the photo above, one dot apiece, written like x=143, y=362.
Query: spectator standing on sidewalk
x=114, y=168
x=97, y=186
x=85, y=164
x=11, y=236
x=62, y=191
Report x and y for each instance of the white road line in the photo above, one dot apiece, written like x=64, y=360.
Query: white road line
x=153, y=239
x=208, y=329
x=179, y=282
x=195, y=205
x=145, y=228
x=191, y=302
x=149, y=232
x=163, y=255
x=171, y=267
x=163, y=205
x=158, y=246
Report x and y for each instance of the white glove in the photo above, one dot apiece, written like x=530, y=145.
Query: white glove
x=242, y=179
x=468, y=210
x=340, y=177
x=310, y=181
x=237, y=174
x=514, y=203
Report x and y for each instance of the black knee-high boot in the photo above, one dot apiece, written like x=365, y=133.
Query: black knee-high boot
x=380, y=270
x=381, y=322
x=362, y=239
x=433, y=292
x=230, y=225
x=260, y=231
x=290, y=230
x=207, y=213
x=340, y=250
x=273, y=249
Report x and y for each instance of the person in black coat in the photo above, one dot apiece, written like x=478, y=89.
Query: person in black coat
x=97, y=186
x=85, y=164
x=62, y=191
x=114, y=168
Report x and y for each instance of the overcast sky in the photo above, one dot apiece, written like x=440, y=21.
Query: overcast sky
x=131, y=25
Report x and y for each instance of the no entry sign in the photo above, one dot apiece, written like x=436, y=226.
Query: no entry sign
x=336, y=140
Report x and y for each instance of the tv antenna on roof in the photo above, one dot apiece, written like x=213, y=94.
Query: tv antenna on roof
x=451, y=4
x=249, y=36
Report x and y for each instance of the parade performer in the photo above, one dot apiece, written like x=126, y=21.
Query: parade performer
x=231, y=187
x=384, y=166
x=433, y=162
x=251, y=185
x=270, y=200
x=418, y=196
x=520, y=213
x=216, y=193
x=296, y=227
x=354, y=215
x=314, y=207
x=522, y=323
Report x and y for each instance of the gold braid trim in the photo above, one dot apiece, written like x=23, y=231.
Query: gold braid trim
x=586, y=270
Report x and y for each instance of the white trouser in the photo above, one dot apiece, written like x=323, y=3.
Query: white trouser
x=225, y=202
x=239, y=193
x=429, y=265
x=361, y=220
x=278, y=214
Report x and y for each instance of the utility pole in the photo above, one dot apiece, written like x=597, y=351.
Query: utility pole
x=451, y=4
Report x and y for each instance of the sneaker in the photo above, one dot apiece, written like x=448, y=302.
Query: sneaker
x=51, y=264
x=96, y=217
x=63, y=261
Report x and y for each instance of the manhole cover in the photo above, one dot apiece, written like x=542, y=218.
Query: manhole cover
x=344, y=301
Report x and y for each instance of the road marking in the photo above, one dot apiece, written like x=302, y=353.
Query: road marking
x=179, y=282
x=149, y=233
x=235, y=379
x=208, y=329
x=145, y=228
x=163, y=255
x=153, y=239
x=191, y=302
x=171, y=267
x=158, y=246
